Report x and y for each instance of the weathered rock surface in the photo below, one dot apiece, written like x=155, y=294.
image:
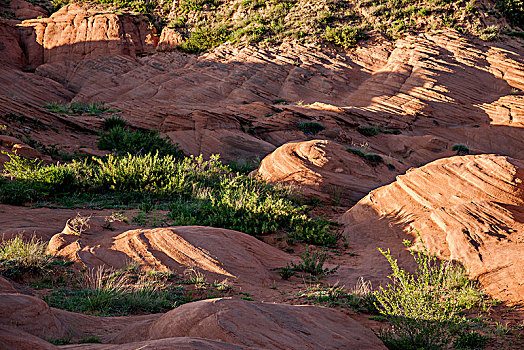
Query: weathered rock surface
x=326, y=170
x=77, y=32
x=16, y=339
x=216, y=252
x=259, y=325
x=31, y=315
x=467, y=209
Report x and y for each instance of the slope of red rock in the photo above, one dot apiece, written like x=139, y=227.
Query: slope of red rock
x=467, y=209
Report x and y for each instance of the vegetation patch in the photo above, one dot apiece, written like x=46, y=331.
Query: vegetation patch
x=372, y=130
x=426, y=309
x=79, y=108
x=19, y=257
x=118, y=292
x=120, y=140
x=360, y=298
x=460, y=149
x=193, y=190
x=346, y=36
x=372, y=158
x=311, y=128
x=312, y=263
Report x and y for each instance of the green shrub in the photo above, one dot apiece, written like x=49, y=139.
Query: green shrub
x=346, y=36
x=88, y=340
x=17, y=193
x=513, y=10
x=204, y=39
x=313, y=263
x=121, y=140
x=372, y=130
x=34, y=180
x=18, y=257
x=470, y=340
x=196, y=5
x=424, y=307
x=369, y=130
x=244, y=166
x=460, y=149
x=311, y=128
x=372, y=158
x=113, y=293
x=114, y=121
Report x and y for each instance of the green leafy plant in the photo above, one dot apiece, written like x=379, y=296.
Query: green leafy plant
x=121, y=140
x=425, y=306
x=312, y=263
x=346, y=36
x=78, y=108
x=460, y=149
x=372, y=130
x=113, y=122
x=372, y=158
x=194, y=190
x=311, y=128
x=204, y=39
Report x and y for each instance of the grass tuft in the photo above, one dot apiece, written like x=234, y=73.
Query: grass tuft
x=18, y=257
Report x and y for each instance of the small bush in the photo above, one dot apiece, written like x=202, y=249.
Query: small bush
x=18, y=257
x=310, y=128
x=470, y=340
x=423, y=308
x=17, y=193
x=369, y=130
x=346, y=36
x=88, y=340
x=460, y=149
x=204, y=39
x=112, y=293
x=121, y=140
x=372, y=130
x=372, y=158
x=113, y=122
x=78, y=108
x=513, y=10
x=312, y=263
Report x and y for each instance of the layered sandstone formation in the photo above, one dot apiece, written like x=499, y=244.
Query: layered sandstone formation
x=467, y=209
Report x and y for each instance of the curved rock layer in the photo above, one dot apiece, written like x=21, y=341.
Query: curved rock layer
x=219, y=252
x=77, y=32
x=208, y=324
x=466, y=208
x=259, y=325
x=228, y=101
x=325, y=170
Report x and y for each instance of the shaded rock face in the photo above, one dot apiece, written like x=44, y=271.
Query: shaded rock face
x=76, y=32
x=259, y=325
x=31, y=315
x=467, y=209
